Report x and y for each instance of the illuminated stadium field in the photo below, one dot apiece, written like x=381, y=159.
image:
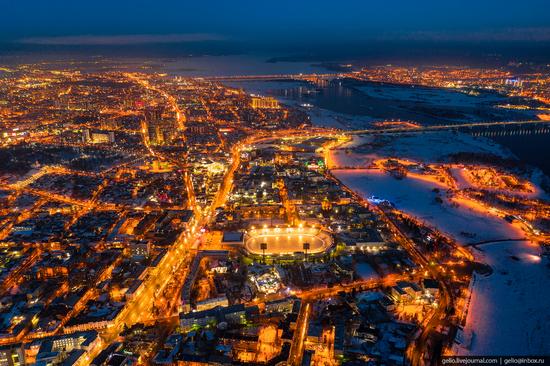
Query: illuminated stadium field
x=286, y=241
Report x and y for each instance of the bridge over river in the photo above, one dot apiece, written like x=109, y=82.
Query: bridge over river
x=304, y=77
x=542, y=125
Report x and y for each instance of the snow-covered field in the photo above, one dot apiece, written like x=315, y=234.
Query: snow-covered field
x=509, y=312
x=431, y=96
x=510, y=309
x=416, y=197
x=425, y=147
x=365, y=271
x=324, y=118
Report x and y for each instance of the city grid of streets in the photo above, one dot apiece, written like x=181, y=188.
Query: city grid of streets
x=252, y=149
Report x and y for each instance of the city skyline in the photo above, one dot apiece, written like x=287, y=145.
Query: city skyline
x=274, y=184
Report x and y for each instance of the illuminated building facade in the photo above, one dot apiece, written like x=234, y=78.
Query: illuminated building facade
x=265, y=103
x=98, y=137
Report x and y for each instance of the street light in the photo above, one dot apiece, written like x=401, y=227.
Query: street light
x=263, y=247
x=306, y=248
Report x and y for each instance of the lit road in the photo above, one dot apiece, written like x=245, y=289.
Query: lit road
x=416, y=348
x=180, y=116
x=181, y=119
x=297, y=346
x=140, y=308
x=311, y=295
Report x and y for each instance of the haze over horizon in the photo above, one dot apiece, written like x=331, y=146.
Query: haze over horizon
x=316, y=28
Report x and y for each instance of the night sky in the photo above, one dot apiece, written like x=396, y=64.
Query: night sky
x=380, y=31
x=276, y=21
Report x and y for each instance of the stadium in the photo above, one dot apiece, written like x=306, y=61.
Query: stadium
x=287, y=243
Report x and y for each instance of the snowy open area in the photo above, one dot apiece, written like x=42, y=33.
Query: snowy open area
x=432, y=96
x=423, y=147
x=416, y=197
x=508, y=313
x=365, y=271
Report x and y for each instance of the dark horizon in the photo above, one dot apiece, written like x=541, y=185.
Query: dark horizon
x=498, y=31
x=366, y=53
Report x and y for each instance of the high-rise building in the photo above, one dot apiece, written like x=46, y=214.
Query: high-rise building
x=153, y=120
x=160, y=130
x=153, y=114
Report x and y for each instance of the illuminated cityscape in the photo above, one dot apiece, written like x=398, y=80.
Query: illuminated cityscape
x=168, y=199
